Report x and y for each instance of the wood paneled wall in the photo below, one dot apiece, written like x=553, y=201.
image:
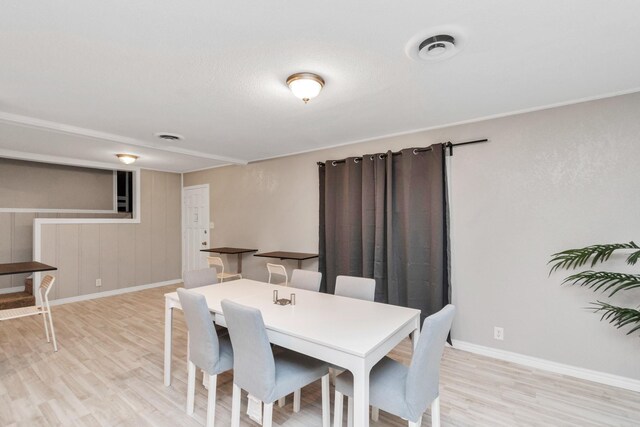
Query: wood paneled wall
x=121, y=255
x=16, y=238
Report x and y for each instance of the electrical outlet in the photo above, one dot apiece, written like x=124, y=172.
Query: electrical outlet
x=498, y=333
x=98, y=282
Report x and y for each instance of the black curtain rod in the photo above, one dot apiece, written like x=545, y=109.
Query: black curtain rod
x=447, y=144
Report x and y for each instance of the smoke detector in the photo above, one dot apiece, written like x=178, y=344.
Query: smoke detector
x=436, y=44
x=166, y=136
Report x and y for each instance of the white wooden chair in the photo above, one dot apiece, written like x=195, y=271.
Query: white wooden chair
x=216, y=262
x=43, y=309
x=278, y=269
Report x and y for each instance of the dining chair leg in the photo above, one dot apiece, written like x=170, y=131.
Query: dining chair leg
x=282, y=401
x=296, y=401
x=267, y=416
x=211, y=400
x=326, y=402
x=375, y=413
x=349, y=411
x=337, y=409
x=53, y=332
x=46, y=328
x=235, y=406
x=191, y=387
x=435, y=412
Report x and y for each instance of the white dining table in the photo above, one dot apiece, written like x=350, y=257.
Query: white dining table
x=347, y=332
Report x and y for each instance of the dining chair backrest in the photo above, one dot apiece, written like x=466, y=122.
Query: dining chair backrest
x=306, y=279
x=202, y=277
x=204, y=348
x=423, y=377
x=279, y=270
x=356, y=287
x=46, y=284
x=215, y=261
x=254, y=367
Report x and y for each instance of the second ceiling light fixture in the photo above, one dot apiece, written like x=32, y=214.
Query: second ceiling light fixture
x=305, y=86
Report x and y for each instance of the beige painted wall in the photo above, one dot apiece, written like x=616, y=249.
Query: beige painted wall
x=47, y=186
x=547, y=181
x=122, y=255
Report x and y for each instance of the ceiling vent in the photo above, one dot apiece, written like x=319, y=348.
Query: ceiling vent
x=437, y=47
x=436, y=44
x=169, y=136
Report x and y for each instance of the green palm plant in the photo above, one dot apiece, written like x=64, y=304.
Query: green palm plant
x=605, y=281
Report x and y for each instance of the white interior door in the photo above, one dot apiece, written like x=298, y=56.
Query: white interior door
x=195, y=232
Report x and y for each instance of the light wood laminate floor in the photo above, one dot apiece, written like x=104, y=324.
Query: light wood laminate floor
x=108, y=372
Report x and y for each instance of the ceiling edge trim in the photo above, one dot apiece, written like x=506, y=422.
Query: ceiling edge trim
x=448, y=125
x=207, y=168
x=80, y=163
x=67, y=161
x=32, y=122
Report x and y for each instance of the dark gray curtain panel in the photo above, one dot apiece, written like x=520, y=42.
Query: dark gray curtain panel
x=385, y=216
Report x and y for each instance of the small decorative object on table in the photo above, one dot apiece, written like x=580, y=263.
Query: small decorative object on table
x=283, y=301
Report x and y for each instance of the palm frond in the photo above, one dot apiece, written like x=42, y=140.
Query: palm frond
x=633, y=258
x=574, y=258
x=618, y=316
x=604, y=279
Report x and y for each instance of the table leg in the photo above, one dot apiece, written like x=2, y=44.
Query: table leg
x=415, y=335
x=361, y=396
x=239, y=263
x=168, y=329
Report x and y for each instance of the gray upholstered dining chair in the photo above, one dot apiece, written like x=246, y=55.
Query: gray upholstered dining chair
x=401, y=390
x=207, y=351
x=262, y=374
x=202, y=277
x=356, y=287
x=306, y=279
x=310, y=281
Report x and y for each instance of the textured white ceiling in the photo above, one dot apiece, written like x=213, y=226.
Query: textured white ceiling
x=214, y=71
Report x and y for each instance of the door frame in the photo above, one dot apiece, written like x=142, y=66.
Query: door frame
x=184, y=216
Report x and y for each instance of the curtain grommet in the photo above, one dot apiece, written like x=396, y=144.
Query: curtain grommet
x=382, y=156
x=333, y=163
x=356, y=160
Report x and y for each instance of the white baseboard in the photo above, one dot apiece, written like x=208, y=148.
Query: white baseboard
x=114, y=292
x=547, y=365
x=12, y=290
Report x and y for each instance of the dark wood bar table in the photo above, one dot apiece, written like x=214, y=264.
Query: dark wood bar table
x=298, y=256
x=24, y=267
x=231, y=251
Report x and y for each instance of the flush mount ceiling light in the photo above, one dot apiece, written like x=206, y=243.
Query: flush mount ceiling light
x=127, y=159
x=305, y=86
x=167, y=136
